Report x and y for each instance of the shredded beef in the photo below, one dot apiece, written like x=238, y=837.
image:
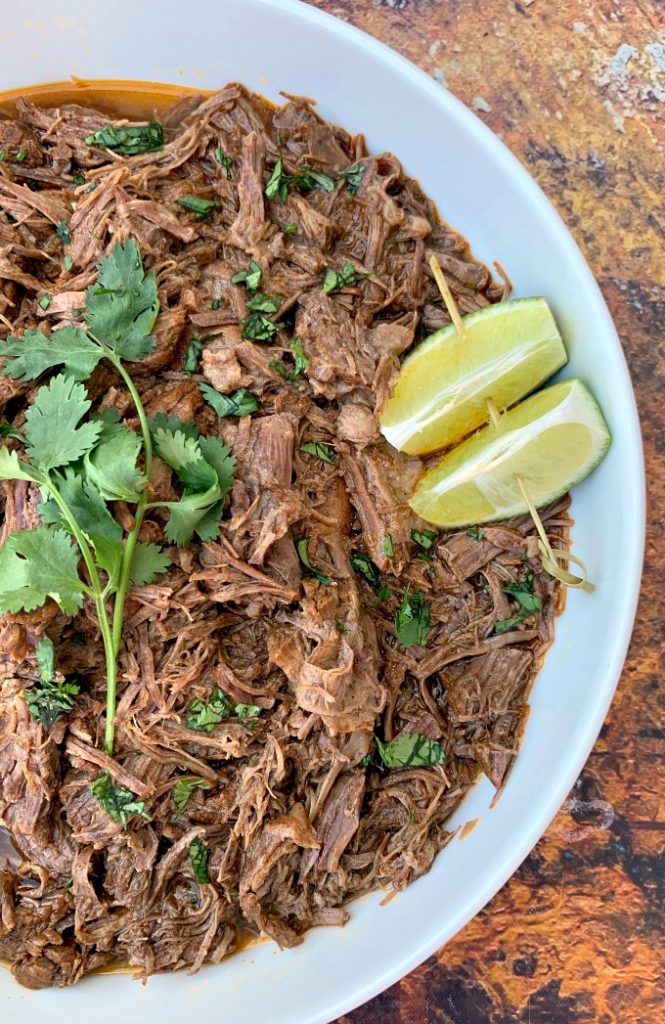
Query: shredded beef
x=298, y=812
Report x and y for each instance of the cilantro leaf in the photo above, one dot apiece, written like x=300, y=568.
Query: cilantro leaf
x=52, y=432
x=410, y=750
x=11, y=467
x=148, y=562
x=91, y=513
x=424, y=538
x=225, y=161
x=302, y=546
x=523, y=593
x=38, y=564
x=172, y=424
x=50, y=699
x=199, y=854
x=353, y=176
x=530, y=602
x=110, y=421
x=335, y=280
x=121, y=308
x=176, y=449
x=118, y=802
x=300, y=360
x=259, y=327
x=412, y=622
x=240, y=403
x=7, y=430
x=218, y=455
x=30, y=356
x=320, y=451
x=505, y=625
x=365, y=567
x=128, y=140
x=198, y=206
x=195, y=513
x=203, y=716
x=45, y=652
x=306, y=179
x=183, y=790
x=264, y=303
x=112, y=468
x=183, y=454
x=247, y=711
x=387, y=546
x=475, y=533
x=200, y=511
x=251, y=278
x=63, y=233
x=192, y=356
x=278, y=182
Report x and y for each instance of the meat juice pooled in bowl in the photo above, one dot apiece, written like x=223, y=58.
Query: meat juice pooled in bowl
x=309, y=684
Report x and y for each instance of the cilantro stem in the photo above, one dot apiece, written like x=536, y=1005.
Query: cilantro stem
x=98, y=597
x=127, y=555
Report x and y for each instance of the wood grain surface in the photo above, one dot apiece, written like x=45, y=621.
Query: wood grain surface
x=576, y=89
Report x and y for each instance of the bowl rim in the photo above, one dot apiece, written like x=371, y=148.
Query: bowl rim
x=367, y=984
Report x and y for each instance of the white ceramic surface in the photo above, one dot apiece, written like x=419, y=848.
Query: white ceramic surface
x=482, y=191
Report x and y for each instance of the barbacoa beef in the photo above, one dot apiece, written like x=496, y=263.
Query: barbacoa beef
x=297, y=822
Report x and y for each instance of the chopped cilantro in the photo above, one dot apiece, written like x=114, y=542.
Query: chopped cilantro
x=412, y=621
x=225, y=161
x=128, y=140
x=353, y=176
x=334, y=280
x=200, y=207
x=302, y=546
x=320, y=451
x=410, y=750
x=118, y=802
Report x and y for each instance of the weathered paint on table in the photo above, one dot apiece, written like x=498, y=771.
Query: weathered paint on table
x=576, y=89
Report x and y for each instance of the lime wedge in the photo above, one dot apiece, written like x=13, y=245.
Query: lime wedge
x=507, y=351
x=551, y=441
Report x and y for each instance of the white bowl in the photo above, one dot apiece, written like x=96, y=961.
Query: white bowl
x=273, y=45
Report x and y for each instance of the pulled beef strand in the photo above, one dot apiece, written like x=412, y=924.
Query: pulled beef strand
x=295, y=821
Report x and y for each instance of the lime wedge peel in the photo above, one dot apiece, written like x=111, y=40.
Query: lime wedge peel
x=550, y=442
x=504, y=352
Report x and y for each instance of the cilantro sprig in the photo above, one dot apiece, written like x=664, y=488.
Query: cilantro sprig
x=82, y=462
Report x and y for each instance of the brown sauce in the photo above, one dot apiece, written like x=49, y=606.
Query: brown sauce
x=468, y=828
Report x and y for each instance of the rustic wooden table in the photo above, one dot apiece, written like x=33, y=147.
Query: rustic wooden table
x=576, y=89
